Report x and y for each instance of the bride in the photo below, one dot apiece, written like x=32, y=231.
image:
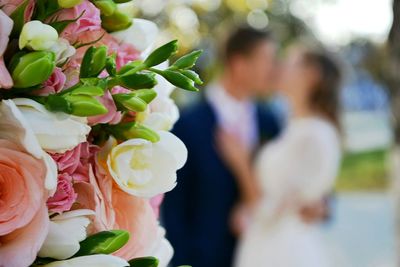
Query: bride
x=294, y=171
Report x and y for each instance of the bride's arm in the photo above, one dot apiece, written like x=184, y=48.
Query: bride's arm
x=238, y=159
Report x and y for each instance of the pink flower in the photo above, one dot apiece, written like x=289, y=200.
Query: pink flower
x=112, y=116
x=89, y=21
x=24, y=222
x=65, y=195
x=116, y=209
x=6, y=25
x=125, y=54
x=54, y=84
x=9, y=6
x=76, y=162
x=155, y=203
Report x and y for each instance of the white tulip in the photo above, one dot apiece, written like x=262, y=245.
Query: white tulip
x=91, y=261
x=65, y=233
x=36, y=35
x=56, y=132
x=162, y=249
x=15, y=127
x=141, y=34
x=63, y=51
x=145, y=169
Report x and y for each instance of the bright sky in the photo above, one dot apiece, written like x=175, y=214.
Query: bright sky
x=338, y=21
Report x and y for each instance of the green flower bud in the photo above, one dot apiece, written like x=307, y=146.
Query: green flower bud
x=130, y=66
x=88, y=90
x=105, y=242
x=161, y=54
x=146, y=95
x=187, y=61
x=138, y=80
x=111, y=65
x=125, y=131
x=193, y=76
x=107, y=7
x=144, y=262
x=178, y=79
x=118, y=21
x=32, y=69
x=85, y=106
x=130, y=102
x=68, y=3
x=93, y=62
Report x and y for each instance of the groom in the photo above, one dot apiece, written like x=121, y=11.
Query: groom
x=197, y=212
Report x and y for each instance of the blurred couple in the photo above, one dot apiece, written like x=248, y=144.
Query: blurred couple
x=252, y=194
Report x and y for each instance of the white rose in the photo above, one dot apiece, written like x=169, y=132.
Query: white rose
x=63, y=51
x=15, y=127
x=162, y=249
x=91, y=261
x=65, y=233
x=56, y=132
x=37, y=36
x=146, y=169
x=141, y=34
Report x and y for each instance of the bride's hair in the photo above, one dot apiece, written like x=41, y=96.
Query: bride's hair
x=325, y=94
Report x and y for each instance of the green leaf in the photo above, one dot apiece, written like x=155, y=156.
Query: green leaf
x=187, y=61
x=178, y=79
x=18, y=16
x=131, y=66
x=45, y=9
x=193, y=76
x=161, y=54
x=144, y=262
x=105, y=242
x=86, y=62
x=138, y=80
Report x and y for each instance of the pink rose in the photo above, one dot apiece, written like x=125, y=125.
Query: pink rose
x=116, y=209
x=24, y=221
x=6, y=25
x=89, y=21
x=155, y=203
x=54, y=84
x=65, y=195
x=112, y=116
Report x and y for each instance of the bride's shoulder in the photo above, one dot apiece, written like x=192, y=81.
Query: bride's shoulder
x=314, y=130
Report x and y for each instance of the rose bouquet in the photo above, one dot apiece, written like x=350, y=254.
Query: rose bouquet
x=85, y=152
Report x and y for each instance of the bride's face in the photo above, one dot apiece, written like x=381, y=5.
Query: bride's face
x=296, y=78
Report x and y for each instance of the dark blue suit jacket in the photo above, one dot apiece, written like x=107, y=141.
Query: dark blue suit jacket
x=196, y=213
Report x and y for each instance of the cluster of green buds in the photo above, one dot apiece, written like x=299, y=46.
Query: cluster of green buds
x=113, y=19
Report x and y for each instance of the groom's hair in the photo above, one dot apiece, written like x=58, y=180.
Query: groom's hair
x=243, y=40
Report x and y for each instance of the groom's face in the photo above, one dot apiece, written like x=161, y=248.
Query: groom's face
x=260, y=68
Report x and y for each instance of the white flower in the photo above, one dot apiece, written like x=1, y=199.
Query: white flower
x=37, y=36
x=65, y=233
x=56, y=132
x=99, y=260
x=161, y=114
x=162, y=249
x=63, y=51
x=141, y=34
x=15, y=127
x=146, y=169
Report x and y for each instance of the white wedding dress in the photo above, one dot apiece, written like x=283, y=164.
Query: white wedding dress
x=298, y=168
